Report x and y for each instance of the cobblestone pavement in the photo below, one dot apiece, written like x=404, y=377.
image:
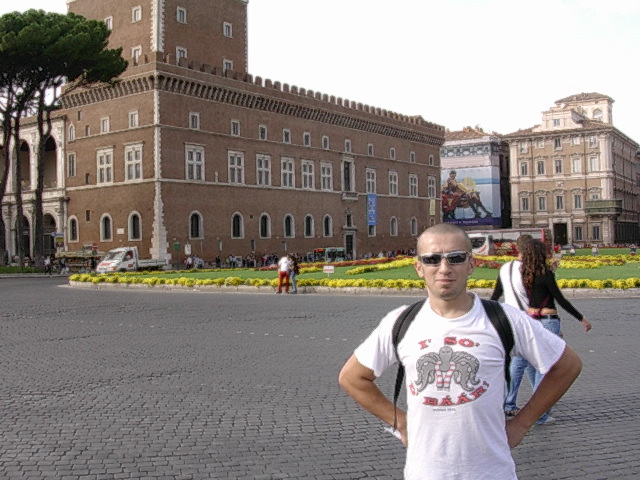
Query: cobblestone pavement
x=123, y=383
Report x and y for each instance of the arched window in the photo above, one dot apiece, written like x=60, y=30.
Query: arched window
x=135, y=227
x=393, y=227
x=195, y=225
x=73, y=229
x=308, y=226
x=327, y=226
x=289, y=227
x=72, y=132
x=265, y=226
x=597, y=114
x=237, y=226
x=106, y=233
x=414, y=226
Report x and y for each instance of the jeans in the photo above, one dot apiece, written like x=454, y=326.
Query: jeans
x=294, y=284
x=553, y=325
x=518, y=367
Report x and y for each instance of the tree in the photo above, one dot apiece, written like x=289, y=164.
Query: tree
x=52, y=55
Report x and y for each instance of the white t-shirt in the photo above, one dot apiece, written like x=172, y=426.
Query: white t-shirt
x=284, y=264
x=455, y=418
x=512, y=286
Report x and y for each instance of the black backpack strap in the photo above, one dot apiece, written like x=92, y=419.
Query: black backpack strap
x=399, y=329
x=499, y=319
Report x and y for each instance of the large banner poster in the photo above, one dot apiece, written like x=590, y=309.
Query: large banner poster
x=471, y=196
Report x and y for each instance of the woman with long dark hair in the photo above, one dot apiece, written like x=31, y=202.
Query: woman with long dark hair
x=542, y=289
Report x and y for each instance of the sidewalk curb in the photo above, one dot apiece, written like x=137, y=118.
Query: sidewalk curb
x=363, y=291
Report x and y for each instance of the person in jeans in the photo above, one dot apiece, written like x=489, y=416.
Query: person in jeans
x=542, y=290
x=509, y=285
x=293, y=273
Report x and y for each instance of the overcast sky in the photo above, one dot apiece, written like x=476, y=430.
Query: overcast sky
x=493, y=63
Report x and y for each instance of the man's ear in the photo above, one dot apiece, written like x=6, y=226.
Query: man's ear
x=418, y=266
x=472, y=264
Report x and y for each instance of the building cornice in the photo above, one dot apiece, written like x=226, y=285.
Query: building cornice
x=262, y=101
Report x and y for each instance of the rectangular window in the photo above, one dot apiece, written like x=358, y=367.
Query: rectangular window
x=431, y=187
x=263, y=170
x=87, y=215
x=227, y=64
x=393, y=183
x=594, y=196
x=181, y=52
x=262, y=132
x=595, y=232
x=593, y=141
x=235, y=128
x=136, y=14
x=594, y=164
x=325, y=142
x=133, y=162
x=578, y=235
x=194, y=155
x=181, y=15
x=556, y=122
x=559, y=202
x=370, y=180
x=412, y=157
x=372, y=230
x=524, y=204
x=413, y=185
x=542, y=203
x=392, y=153
x=575, y=140
x=540, y=143
x=307, y=175
x=523, y=147
x=306, y=139
x=105, y=166
x=104, y=125
x=227, y=29
x=557, y=165
x=326, y=176
x=540, y=167
x=194, y=121
x=286, y=135
x=136, y=53
x=134, y=118
x=109, y=23
x=576, y=165
x=577, y=202
x=557, y=144
x=524, y=169
x=288, y=173
x=347, y=145
x=236, y=167
x=370, y=149
x=71, y=165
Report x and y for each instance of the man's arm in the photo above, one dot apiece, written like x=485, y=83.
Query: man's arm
x=358, y=381
x=552, y=387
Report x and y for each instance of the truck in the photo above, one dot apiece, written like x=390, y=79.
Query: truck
x=127, y=259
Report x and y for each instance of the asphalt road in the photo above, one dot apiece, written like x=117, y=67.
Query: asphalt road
x=123, y=383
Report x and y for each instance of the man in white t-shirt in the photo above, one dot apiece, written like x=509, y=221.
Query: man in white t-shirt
x=455, y=427
x=284, y=265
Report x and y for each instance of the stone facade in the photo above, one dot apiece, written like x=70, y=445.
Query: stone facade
x=577, y=174
x=190, y=149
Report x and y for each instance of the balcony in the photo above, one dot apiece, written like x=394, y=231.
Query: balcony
x=603, y=207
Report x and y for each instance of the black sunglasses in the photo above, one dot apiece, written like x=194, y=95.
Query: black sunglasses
x=453, y=258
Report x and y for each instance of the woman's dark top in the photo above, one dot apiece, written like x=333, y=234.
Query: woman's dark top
x=545, y=286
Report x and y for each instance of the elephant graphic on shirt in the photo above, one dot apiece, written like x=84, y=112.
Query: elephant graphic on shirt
x=446, y=366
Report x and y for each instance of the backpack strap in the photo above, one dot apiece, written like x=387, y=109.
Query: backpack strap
x=400, y=327
x=501, y=323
